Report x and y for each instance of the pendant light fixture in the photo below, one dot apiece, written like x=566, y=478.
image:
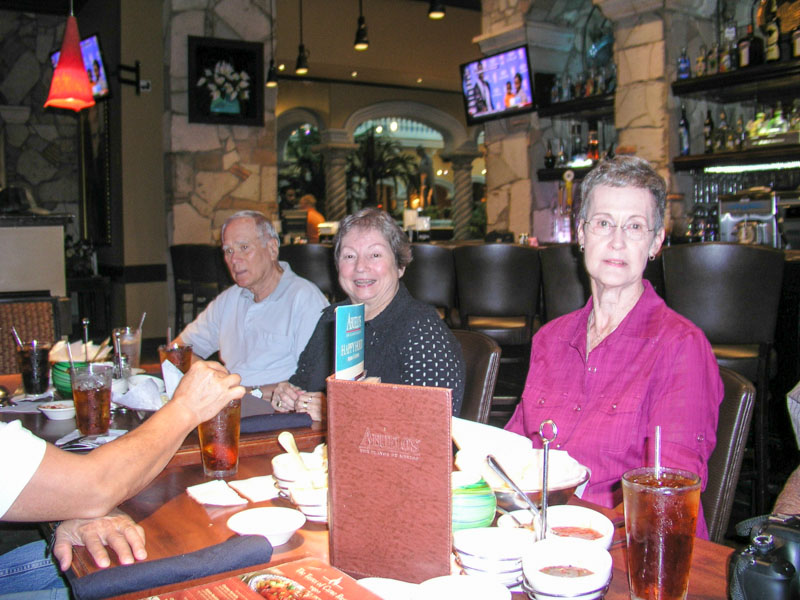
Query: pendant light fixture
x=272, y=72
x=301, y=67
x=436, y=10
x=70, y=87
x=361, y=43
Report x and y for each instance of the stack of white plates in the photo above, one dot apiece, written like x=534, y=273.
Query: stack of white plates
x=493, y=551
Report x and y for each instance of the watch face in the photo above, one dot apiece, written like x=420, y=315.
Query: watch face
x=256, y=391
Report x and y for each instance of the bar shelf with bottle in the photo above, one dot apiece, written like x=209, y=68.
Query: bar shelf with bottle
x=584, y=109
x=770, y=154
x=557, y=173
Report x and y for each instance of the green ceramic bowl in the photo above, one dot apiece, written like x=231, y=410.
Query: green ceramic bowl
x=474, y=502
x=61, y=378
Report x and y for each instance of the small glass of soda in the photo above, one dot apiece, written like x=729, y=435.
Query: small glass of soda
x=180, y=356
x=33, y=362
x=219, y=441
x=91, y=391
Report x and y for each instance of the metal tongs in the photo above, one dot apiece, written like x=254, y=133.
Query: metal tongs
x=537, y=516
x=545, y=466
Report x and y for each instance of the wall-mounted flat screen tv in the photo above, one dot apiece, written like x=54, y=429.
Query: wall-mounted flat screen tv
x=497, y=85
x=95, y=66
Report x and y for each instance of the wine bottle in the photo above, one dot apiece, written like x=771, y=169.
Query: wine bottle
x=683, y=133
x=708, y=134
x=722, y=133
x=549, y=157
x=712, y=60
x=751, y=49
x=772, y=33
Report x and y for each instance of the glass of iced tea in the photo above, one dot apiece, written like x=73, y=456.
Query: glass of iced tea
x=180, y=356
x=91, y=391
x=660, y=520
x=33, y=362
x=219, y=441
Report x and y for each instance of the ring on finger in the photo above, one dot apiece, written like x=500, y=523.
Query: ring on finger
x=278, y=403
x=305, y=403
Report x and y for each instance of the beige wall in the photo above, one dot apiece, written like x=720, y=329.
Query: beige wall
x=143, y=163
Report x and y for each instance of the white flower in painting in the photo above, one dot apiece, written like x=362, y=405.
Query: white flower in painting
x=224, y=82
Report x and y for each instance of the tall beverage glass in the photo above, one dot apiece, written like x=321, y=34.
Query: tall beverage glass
x=219, y=441
x=130, y=344
x=180, y=356
x=91, y=391
x=660, y=520
x=33, y=362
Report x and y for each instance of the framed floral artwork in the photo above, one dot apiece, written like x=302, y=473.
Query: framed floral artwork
x=226, y=82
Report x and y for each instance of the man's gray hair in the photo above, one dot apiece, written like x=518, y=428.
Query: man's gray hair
x=263, y=226
x=626, y=171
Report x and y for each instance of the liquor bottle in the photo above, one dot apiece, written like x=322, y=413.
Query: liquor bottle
x=683, y=133
x=777, y=123
x=708, y=134
x=593, y=146
x=576, y=141
x=684, y=66
x=590, y=84
x=549, y=157
x=561, y=159
x=712, y=60
x=566, y=89
x=731, y=139
x=722, y=133
x=729, y=55
x=772, y=33
x=577, y=88
x=700, y=61
x=600, y=85
x=555, y=91
x=740, y=133
x=751, y=49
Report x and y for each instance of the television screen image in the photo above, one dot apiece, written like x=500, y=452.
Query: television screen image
x=497, y=85
x=95, y=66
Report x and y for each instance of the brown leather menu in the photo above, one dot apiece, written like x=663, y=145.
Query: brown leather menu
x=389, y=465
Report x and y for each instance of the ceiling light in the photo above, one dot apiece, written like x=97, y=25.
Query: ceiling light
x=361, y=42
x=354, y=74
x=436, y=10
x=70, y=87
x=419, y=79
x=379, y=129
x=301, y=67
x=281, y=67
x=272, y=74
x=393, y=125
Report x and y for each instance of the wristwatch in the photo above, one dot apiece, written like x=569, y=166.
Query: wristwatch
x=256, y=391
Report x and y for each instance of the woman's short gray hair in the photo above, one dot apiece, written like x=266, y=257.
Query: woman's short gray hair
x=380, y=220
x=626, y=171
x=263, y=226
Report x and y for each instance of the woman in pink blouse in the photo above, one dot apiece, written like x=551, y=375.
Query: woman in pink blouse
x=608, y=373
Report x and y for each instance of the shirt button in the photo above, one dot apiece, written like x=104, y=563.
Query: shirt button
x=592, y=369
x=541, y=401
x=578, y=408
x=614, y=406
x=700, y=437
x=558, y=445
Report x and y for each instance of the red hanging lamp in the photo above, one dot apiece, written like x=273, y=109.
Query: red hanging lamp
x=70, y=87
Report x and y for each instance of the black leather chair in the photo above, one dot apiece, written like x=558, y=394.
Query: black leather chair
x=731, y=292
x=199, y=275
x=431, y=278
x=565, y=283
x=315, y=263
x=34, y=317
x=725, y=463
x=482, y=358
x=498, y=294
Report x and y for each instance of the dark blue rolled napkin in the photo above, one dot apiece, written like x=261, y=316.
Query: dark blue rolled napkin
x=236, y=553
x=261, y=423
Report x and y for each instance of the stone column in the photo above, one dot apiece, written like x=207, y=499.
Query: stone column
x=335, y=147
x=462, y=199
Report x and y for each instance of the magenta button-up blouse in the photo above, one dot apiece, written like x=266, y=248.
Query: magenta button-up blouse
x=656, y=368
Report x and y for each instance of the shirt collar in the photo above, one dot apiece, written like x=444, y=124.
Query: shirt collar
x=278, y=292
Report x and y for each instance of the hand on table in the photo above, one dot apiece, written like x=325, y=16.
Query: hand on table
x=116, y=530
x=206, y=388
x=288, y=398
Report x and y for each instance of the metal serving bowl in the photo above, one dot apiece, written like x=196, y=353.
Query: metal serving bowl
x=508, y=499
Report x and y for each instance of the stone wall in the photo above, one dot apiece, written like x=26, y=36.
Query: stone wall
x=41, y=146
x=213, y=171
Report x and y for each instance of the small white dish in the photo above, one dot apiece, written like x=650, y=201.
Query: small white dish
x=492, y=548
x=389, y=589
x=571, y=554
x=464, y=587
x=58, y=411
x=275, y=523
x=135, y=380
x=559, y=517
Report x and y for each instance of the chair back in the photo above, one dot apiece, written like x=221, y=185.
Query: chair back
x=34, y=317
x=498, y=281
x=315, y=263
x=725, y=463
x=482, y=359
x=431, y=277
x=199, y=274
x=565, y=283
x=730, y=291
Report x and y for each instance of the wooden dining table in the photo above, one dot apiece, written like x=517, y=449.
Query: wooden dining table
x=175, y=524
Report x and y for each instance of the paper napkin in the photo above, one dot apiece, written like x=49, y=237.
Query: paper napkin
x=256, y=489
x=215, y=492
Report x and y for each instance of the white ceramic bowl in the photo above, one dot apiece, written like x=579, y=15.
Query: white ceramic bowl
x=474, y=587
x=565, y=515
x=135, y=380
x=312, y=502
x=566, y=552
x=286, y=470
x=275, y=523
x=492, y=549
x=59, y=411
